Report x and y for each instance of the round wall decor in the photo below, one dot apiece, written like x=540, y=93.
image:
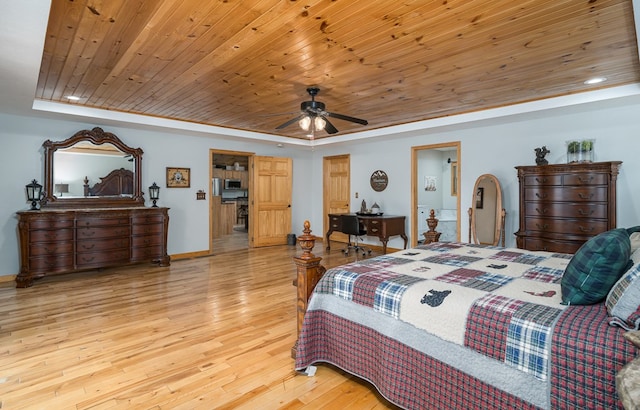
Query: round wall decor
x=379, y=180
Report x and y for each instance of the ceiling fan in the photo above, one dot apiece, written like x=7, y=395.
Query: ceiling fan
x=313, y=116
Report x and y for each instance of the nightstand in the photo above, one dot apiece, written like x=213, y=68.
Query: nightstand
x=628, y=378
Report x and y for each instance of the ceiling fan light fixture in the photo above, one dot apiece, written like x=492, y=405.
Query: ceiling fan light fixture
x=305, y=123
x=319, y=123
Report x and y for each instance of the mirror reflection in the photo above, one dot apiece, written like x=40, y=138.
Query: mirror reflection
x=85, y=161
x=92, y=168
x=486, y=215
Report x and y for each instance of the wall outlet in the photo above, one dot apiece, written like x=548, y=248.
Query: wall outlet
x=356, y=195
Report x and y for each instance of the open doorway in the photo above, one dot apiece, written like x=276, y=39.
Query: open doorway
x=435, y=182
x=229, y=201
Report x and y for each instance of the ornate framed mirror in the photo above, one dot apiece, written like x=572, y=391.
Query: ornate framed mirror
x=91, y=169
x=486, y=215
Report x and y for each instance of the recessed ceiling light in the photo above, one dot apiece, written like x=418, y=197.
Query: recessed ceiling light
x=595, y=80
x=73, y=98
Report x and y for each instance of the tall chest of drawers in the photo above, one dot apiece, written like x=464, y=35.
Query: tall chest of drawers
x=562, y=206
x=61, y=241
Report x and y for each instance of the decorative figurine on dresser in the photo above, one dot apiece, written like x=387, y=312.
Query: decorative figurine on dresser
x=101, y=221
x=563, y=205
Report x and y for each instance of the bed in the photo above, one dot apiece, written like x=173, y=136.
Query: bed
x=456, y=325
x=118, y=182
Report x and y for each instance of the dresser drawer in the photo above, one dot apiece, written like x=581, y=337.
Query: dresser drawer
x=147, y=229
x=50, y=248
x=566, y=226
x=37, y=224
x=99, y=259
x=86, y=222
x=102, y=232
x=538, y=244
x=97, y=245
x=147, y=240
x=51, y=263
x=586, y=179
x=51, y=236
x=148, y=253
x=566, y=194
x=566, y=210
x=542, y=180
x=147, y=219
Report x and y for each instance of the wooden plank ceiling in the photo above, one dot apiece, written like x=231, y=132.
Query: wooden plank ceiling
x=246, y=64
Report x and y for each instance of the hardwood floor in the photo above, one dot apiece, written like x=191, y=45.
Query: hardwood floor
x=204, y=333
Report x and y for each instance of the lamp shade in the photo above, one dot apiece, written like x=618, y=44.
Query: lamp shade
x=319, y=123
x=305, y=123
x=61, y=188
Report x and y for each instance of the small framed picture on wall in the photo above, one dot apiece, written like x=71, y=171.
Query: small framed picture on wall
x=178, y=177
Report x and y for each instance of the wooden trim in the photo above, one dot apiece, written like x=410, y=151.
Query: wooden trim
x=7, y=278
x=413, y=231
x=190, y=255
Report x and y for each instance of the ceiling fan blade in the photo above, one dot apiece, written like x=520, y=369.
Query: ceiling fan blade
x=347, y=118
x=328, y=127
x=291, y=121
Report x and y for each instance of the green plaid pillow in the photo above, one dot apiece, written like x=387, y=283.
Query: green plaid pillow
x=596, y=267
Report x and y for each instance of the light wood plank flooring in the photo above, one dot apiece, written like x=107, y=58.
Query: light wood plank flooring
x=205, y=333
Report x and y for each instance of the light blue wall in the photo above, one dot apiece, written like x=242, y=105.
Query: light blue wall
x=21, y=161
x=496, y=147
x=488, y=146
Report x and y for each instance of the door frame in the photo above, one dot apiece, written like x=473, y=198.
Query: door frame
x=414, y=185
x=212, y=152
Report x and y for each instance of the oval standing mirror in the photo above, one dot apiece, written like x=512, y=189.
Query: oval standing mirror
x=486, y=215
x=92, y=168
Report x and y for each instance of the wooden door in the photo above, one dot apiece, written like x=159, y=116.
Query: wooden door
x=269, y=200
x=336, y=190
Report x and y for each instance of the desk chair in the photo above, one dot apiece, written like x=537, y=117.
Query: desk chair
x=351, y=226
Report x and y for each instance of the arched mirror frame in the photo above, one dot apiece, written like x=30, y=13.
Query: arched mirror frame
x=98, y=137
x=500, y=213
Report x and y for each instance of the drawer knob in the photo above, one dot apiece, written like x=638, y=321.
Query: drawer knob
x=543, y=211
x=543, y=196
x=543, y=227
x=541, y=180
x=585, y=196
x=585, y=230
x=374, y=230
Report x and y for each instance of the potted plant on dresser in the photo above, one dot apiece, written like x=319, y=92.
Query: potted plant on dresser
x=580, y=151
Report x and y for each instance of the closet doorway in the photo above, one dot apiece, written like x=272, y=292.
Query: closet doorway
x=435, y=184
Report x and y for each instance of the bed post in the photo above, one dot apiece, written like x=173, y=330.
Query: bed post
x=309, y=271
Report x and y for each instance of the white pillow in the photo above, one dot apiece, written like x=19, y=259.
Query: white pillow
x=623, y=300
x=634, y=238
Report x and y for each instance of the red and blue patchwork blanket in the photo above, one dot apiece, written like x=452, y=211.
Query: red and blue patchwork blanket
x=486, y=311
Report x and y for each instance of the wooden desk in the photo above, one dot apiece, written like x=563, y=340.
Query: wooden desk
x=383, y=226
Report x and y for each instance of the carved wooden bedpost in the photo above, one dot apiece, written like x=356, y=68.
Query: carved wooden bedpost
x=309, y=272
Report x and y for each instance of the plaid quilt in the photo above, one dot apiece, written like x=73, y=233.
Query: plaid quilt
x=465, y=326
x=500, y=302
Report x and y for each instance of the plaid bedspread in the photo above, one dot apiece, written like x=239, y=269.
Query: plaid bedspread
x=500, y=302
x=421, y=323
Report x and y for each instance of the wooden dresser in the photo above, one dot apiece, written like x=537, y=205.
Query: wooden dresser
x=69, y=240
x=562, y=206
